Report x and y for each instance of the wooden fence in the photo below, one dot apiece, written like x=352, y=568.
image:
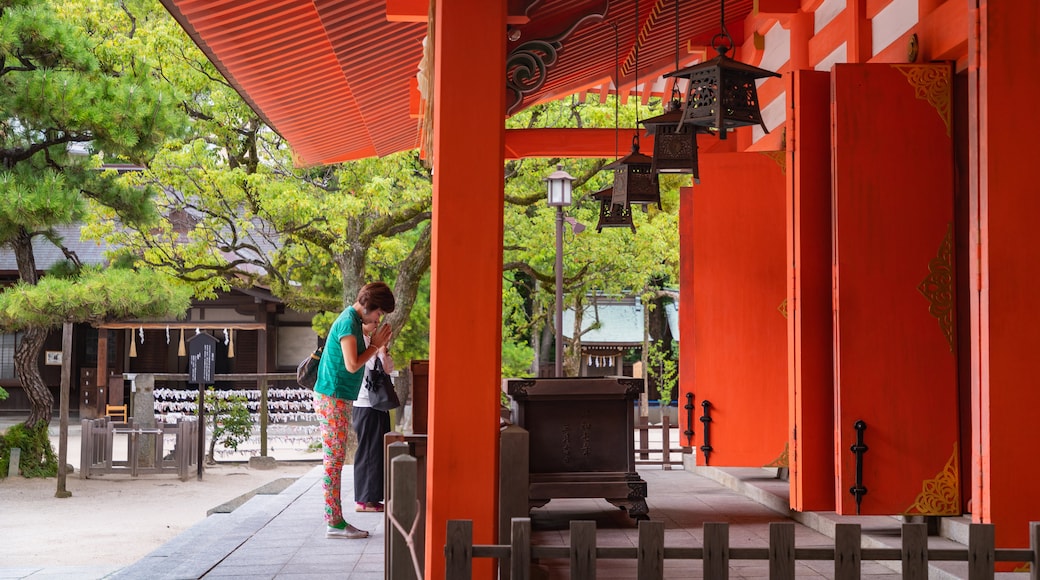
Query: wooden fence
x=98, y=442
x=405, y=535
x=716, y=552
x=665, y=451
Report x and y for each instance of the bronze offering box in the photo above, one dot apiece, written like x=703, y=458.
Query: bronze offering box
x=581, y=439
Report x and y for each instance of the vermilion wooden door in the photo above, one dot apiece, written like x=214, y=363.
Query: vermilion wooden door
x=738, y=308
x=895, y=363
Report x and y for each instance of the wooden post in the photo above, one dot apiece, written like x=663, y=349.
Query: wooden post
x=101, y=379
x=981, y=555
x=63, y=413
x=180, y=456
x=644, y=439
x=86, y=448
x=520, y=552
x=583, y=550
x=513, y=485
x=404, y=510
x=184, y=448
x=915, y=551
x=263, y=416
x=666, y=445
x=109, y=443
x=202, y=430
x=716, y=550
x=650, y=563
x=1034, y=543
x=458, y=554
x=391, y=450
x=781, y=551
x=847, y=551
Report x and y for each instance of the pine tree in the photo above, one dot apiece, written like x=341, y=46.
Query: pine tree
x=73, y=93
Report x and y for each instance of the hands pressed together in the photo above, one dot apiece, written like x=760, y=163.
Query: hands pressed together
x=381, y=337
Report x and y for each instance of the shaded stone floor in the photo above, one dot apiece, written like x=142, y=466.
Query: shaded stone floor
x=283, y=536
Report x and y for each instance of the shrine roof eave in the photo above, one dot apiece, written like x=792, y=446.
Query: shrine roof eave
x=339, y=81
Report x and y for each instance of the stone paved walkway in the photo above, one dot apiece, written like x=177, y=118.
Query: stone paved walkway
x=283, y=536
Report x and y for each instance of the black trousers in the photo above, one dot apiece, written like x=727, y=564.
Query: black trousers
x=370, y=425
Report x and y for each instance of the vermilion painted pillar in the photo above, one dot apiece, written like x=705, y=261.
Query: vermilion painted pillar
x=810, y=343
x=466, y=284
x=1004, y=278
x=801, y=27
x=687, y=328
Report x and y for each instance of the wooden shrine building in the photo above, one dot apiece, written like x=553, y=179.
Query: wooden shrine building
x=867, y=262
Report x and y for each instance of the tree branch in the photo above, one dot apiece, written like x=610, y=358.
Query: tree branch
x=12, y=156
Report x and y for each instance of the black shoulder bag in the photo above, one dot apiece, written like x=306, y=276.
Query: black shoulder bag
x=381, y=393
x=307, y=370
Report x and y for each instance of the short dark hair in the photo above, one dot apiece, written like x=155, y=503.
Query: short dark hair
x=376, y=295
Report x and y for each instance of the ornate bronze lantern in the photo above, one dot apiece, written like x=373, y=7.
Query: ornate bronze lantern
x=675, y=149
x=675, y=144
x=721, y=93
x=634, y=180
x=612, y=215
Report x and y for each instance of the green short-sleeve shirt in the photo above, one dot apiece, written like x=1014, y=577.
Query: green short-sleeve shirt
x=333, y=378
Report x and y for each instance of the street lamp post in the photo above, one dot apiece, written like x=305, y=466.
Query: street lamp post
x=559, y=196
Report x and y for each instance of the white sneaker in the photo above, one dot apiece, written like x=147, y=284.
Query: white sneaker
x=349, y=532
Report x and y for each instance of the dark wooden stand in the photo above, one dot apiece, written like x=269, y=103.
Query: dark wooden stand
x=581, y=439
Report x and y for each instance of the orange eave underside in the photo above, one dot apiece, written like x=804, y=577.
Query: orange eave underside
x=337, y=78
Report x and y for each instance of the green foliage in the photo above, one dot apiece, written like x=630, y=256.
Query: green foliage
x=67, y=82
x=615, y=261
x=663, y=367
x=96, y=295
x=66, y=269
x=412, y=341
x=76, y=92
x=3, y=394
x=516, y=359
x=238, y=211
x=232, y=423
x=241, y=212
x=37, y=456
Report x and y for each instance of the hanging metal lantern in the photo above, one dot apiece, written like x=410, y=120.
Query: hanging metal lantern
x=612, y=215
x=675, y=150
x=634, y=179
x=675, y=144
x=721, y=93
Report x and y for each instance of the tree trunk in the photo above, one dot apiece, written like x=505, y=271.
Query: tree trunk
x=26, y=362
x=536, y=346
x=406, y=288
x=572, y=356
x=27, y=354
x=352, y=264
x=412, y=269
x=213, y=440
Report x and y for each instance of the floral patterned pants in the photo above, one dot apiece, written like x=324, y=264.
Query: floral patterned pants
x=334, y=417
